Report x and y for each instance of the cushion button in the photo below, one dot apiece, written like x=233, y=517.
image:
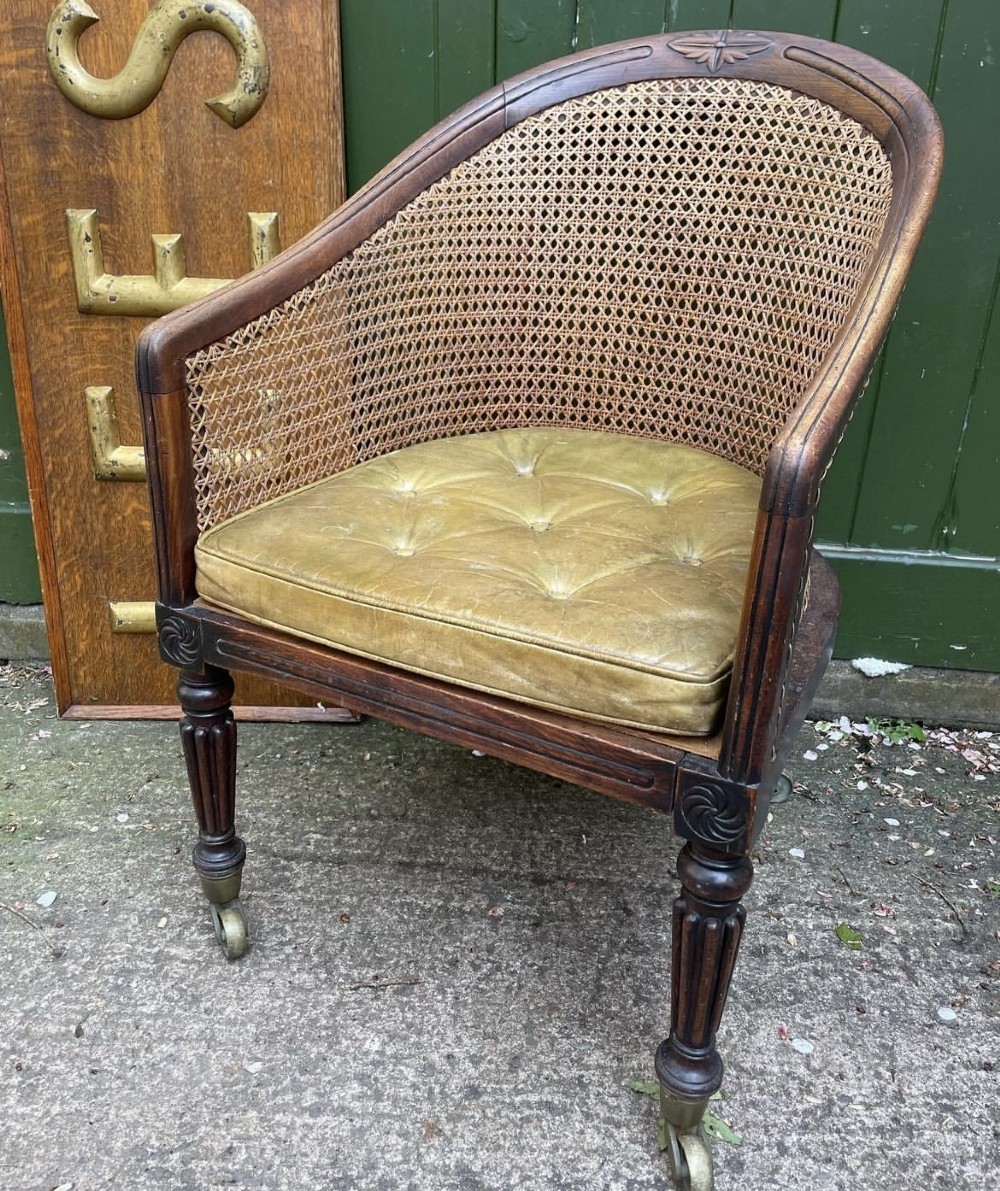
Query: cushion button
x=540, y=526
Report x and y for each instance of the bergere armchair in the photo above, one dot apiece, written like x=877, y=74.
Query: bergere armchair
x=522, y=448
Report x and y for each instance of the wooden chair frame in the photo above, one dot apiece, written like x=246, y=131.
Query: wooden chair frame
x=716, y=789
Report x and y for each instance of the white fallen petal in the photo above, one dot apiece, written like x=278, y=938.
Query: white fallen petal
x=253, y=1068
x=809, y=755
x=878, y=667
x=47, y=898
x=946, y=1013
x=797, y=853
x=803, y=1046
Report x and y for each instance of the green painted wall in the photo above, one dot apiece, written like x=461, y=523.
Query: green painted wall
x=18, y=567
x=911, y=511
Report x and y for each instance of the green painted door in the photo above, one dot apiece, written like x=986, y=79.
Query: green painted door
x=18, y=567
x=911, y=511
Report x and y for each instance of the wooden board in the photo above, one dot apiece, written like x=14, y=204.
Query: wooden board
x=175, y=167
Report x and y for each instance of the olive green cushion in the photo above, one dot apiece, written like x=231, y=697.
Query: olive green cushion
x=590, y=573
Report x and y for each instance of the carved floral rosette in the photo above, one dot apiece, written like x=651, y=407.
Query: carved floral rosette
x=180, y=641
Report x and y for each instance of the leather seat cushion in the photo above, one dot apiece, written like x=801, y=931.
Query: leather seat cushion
x=590, y=573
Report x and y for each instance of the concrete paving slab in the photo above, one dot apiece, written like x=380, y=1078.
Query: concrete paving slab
x=22, y=632
x=457, y=966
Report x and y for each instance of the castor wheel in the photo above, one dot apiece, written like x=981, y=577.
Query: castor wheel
x=782, y=790
x=690, y=1159
x=231, y=927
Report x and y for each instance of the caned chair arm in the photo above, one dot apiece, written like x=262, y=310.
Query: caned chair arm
x=772, y=606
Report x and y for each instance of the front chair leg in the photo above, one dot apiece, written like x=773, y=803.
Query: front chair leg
x=708, y=923
x=208, y=737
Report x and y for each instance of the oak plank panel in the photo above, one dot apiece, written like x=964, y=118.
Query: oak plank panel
x=174, y=167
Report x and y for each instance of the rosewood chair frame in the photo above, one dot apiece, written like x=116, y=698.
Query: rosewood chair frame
x=716, y=789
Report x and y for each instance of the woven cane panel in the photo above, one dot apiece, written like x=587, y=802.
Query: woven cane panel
x=668, y=259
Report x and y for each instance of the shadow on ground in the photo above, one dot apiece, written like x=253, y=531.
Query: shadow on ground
x=457, y=967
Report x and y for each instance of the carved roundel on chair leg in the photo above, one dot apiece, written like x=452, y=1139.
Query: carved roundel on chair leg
x=180, y=641
x=713, y=812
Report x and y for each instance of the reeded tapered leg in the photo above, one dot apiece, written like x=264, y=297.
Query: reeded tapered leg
x=208, y=737
x=708, y=924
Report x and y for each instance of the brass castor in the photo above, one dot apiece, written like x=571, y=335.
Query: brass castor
x=231, y=927
x=782, y=790
x=690, y=1158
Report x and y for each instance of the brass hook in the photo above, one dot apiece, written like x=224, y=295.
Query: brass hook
x=166, y=26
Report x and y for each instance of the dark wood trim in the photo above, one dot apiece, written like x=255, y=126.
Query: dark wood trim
x=633, y=766
x=208, y=738
x=770, y=609
x=27, y=415
x=707, y=928
x=811, y=652
x=250, y=715
x=167, y=436
x=711, y=810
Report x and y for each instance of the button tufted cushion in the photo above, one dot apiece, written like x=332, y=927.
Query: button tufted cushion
x=587, y=572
